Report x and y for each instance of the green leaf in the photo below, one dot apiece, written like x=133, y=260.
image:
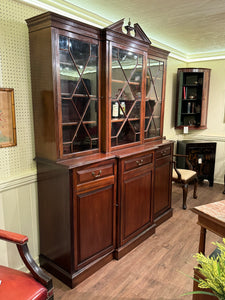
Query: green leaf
x=218, y=268
x=199, y=292
x=190, y=277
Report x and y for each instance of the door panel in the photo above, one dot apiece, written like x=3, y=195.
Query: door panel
x=162, y=186
x=136, y=205
x=95, y=223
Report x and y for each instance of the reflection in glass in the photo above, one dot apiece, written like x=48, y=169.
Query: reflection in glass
x=126, y=91
x=63, y=43
x=68, y=132
x=153, y=100
x=79, y=94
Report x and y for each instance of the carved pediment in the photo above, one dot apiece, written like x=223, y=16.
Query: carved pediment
x=138, y=32
x=118, y=26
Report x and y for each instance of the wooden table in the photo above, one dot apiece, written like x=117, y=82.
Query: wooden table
x=210, y=217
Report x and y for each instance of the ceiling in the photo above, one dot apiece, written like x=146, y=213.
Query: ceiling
x=188, y=28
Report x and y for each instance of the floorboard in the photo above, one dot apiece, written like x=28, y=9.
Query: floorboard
x=155, y=269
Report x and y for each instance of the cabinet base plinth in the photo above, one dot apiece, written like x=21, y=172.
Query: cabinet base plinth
x=72, y=280
x=163, y=217
x=123, y=250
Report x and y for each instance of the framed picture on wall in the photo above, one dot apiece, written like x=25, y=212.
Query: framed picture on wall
x=7, y=118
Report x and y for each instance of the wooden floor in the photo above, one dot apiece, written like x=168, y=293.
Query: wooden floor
x=154, y=269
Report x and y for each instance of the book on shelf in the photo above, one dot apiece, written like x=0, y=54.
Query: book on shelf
x=184, y=92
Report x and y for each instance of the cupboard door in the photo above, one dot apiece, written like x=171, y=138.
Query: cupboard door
x=95, y=225
x=162, y=190
x=136, y=210
x=78, y=65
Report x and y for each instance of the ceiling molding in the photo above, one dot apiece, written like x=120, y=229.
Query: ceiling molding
x=69, y=10
x=206, y=56
x=66, y=8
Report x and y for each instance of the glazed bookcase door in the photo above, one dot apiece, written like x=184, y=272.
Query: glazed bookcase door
x=78, y=60
x=153, y=100
x=126, y=96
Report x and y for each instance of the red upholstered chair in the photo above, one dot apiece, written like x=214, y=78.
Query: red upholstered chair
x=18, y=285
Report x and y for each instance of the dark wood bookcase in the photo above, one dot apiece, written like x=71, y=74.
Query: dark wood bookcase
x=98, y=103
x=202, y=156
x=192, y=97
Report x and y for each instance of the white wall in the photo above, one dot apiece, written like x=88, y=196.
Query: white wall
x=18, y=192
x=215, y=131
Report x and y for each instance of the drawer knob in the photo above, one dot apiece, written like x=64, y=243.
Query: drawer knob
x=139, y=162
x=96, y=175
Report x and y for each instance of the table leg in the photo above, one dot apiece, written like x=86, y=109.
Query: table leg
x=202, y=240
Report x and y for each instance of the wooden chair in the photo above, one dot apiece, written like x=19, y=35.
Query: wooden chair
x=19, y=285
x=184, y=177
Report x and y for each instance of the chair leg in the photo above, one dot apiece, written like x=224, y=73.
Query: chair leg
x=195, y=188
x=224, y=184
x=185, y=191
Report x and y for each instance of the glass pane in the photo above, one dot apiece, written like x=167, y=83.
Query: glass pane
x=81, y=105
x=63, y=42
x=135, y=110
x=135, y=83
x=79, y=94
x=68, y=133
x=90, y=76
x=126, y=72
x=92, y=112
x=94, y=50
x=153, y=129
x=122, y=91
x=92, y=130
x=115, y=128
x=153, y=101
x=149, y=107
x=126, y=96
x=80, y=52
x=83, y=87
x=127, y=134
x=83, y=140
x=69, y=112
x=68, y=74
x=136, y=126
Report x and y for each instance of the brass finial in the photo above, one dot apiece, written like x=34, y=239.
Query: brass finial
x=129, y=28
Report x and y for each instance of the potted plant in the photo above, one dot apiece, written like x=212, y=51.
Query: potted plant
x=213, y=270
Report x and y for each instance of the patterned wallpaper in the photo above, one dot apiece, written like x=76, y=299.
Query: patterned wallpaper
x=15, y=73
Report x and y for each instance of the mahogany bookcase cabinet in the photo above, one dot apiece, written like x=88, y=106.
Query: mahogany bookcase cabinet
x=103, y=166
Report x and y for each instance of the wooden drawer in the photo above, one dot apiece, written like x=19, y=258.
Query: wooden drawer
x=97, y=172
x=163, y=152
x=138, y=161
